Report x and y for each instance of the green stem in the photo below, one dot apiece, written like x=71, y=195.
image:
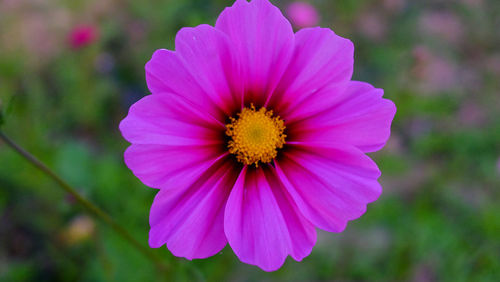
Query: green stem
x=89, y=206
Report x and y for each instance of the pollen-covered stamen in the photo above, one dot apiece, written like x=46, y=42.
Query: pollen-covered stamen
x=255, y=135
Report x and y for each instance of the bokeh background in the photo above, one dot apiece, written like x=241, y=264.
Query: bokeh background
x=69, y=70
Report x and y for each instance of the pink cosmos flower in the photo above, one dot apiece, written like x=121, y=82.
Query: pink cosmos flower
x=302, y=14
x=255, y=136
x=82, y=35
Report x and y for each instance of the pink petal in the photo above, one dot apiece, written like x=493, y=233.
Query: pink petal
x=313, y=104
x=209, y=58
x=190, y=218
x=263, y=39
x=263, y=224
x=172, y=141
x=167, y=72
x=321, y=59
x=165, y=166
x=170, y=120
x=361, y=118
x=331, y=183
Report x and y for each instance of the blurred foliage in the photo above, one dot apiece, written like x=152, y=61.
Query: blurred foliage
x=439, y=216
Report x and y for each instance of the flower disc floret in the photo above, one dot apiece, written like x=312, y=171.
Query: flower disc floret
x=255, y=135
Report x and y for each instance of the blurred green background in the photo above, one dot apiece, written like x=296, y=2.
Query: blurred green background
x=439, y=215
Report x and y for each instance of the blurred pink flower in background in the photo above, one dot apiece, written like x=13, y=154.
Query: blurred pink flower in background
x=33, y=29
x=498, y=165
x=302, y=14
x=492, y=64
x=473, y=3
x=137, y=31
x=444, y=25
x=372, y=26
x=471, y=114
x=394, y=6
x=434, y=73
x=82, y=35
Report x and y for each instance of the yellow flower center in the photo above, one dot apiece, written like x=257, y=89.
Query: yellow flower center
x=255, y=135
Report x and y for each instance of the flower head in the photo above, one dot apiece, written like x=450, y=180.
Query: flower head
x=82, y=35
x=302, y=14
x=255, y=136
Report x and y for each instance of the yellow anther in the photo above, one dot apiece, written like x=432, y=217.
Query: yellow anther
x=255, y=135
